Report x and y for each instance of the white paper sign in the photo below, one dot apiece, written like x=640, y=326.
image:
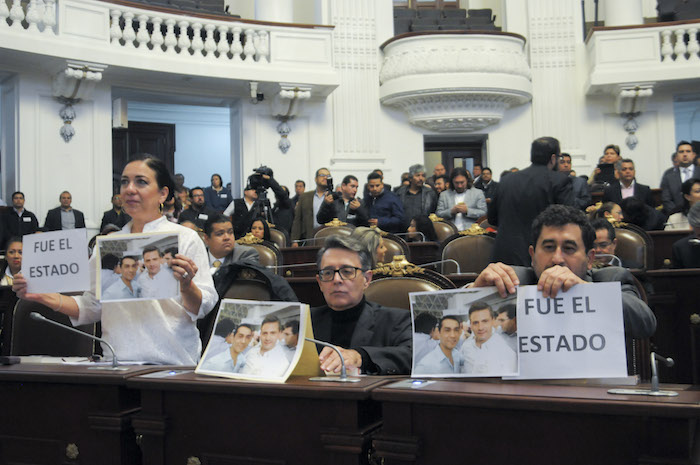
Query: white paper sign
x=578, y=334
x=56, y=261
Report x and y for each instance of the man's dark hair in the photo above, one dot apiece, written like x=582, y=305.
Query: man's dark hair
x=346, y=243
x=301, y=181
x=686, y=187
x=600, y=223
x=151, y=248
x=318, y=170
x=508, y=309
x=460, y=171
x=17, y=192
x=449, y=317
x=294, y=324
x=565, y=155
x=627, y=160
x=635, y=211
x=197, y=188
x=480, y=305
x=477, y=164
x=171, y=250
x=607, y=207
x=130, y=257
x=108, y=262
x=215, y=219
x=374, y=175
x=224, y=327
x=684, y=142
x=559, y=216
x=444, y=178
x=486, y=168
x=271, y=319
x=542, y=150
x=244, y=325
x=348, y=178
x=425, y=323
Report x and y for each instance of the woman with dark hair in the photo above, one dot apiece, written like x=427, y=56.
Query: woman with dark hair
x=172, y=208
x=639, y=213
x=691, y=196
x=609, y=211
x=12, y=263
x=611, y=154
x=260, y=229
x=422, y=224
x=159, y=331
x=216, y=196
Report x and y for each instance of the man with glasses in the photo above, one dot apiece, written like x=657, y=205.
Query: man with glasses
x=372, y=338
x=198, y=212
x=307, y=208
x=604, y=244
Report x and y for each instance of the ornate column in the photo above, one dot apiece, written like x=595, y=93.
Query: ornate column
x=279, y=11
x=622, y=12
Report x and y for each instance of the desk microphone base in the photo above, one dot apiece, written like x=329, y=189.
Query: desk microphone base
x=335, y=379
x=120, y=368
x=643, y=392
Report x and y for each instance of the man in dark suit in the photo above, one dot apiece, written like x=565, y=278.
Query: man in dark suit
x=198, y=213
x=686, y=252
x=307, y=208
x=614, y=191
x=116, y=215
x=562, y=256
x=64, y=217
x=18, y=221
x=523, y=195
x=346, y=206
x=673, y=178
x=299, y=188
x=373, y=339
x=486, y=183
x=219, y=238
x=582, y=194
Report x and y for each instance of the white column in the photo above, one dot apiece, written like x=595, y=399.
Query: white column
x=622, y=12
x=279, y=11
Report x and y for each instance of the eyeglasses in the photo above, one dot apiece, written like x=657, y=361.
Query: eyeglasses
x=345, y=272
x=320, y=175
x=602, y=245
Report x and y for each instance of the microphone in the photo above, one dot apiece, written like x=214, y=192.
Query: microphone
x=654, y=390
x=668, y=361
x=447, y=260
x=343, y=378
x=39, y=317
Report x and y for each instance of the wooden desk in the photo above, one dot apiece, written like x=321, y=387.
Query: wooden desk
x=453, y=422
x=663, y=245
x=48, y=408
x=236, y=422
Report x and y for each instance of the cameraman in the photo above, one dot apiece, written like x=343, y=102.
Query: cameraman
x=244, y=211
x=344, y=206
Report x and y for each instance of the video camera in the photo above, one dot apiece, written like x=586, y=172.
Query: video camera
x=256, y=180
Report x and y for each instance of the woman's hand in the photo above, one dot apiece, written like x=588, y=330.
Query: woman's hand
x=184, y=270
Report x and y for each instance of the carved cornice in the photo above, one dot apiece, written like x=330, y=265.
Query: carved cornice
x=249, y=239
x=398, y=267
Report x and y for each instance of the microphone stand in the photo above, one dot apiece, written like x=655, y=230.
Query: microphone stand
x=115, y=363
x=343, y=378
x=654, y=390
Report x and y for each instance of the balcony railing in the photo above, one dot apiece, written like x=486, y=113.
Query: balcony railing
x=654, y=53
x=126, y=34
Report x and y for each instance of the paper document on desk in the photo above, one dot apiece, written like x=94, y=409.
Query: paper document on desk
x=579, y=334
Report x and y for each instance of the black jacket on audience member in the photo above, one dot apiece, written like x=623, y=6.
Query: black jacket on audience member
x=685, y=254
x=613, y=193
x=112, y=217
x=53, y=219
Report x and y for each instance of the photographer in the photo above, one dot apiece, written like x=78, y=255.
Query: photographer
x=344, y=205
x=254, y=202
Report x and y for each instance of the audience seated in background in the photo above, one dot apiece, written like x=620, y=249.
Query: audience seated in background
x=691, y=196
x=605, y=243
x=626, y=185
x=65, y=216
x=686, y=252
x=12, y=263
x=260, y=229
x=421, y=224
x=372, y=241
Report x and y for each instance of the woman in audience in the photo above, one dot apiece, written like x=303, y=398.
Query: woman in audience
x=12, y=263
x=260, y=229
x=422, y=224
x=157, y=331
x=608, y=211
x=611, y=154
x=372, y=241
x=172, y=208
x=639, y=213
x=691, y=196
x=216, y=196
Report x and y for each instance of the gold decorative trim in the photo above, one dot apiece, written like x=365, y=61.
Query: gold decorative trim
x=694, y=319
x=249, y=239
x=398, y=267
x=336, y=222
x=474, y=230
x=434, y=218
x=617, y=224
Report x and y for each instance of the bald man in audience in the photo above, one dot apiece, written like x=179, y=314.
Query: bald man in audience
x=438, y=171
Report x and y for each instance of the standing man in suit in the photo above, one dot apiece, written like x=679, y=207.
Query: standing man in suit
x=372, y=338
x=523, y=195
x=486, y=183
x=299, y=188
x=462, y=203
x=582, y=194
x=307, y=208
x=416, y=198
x=671, y=182
x=64, y=217
x=627, y=186
x=385, y=209
x=116, y=215
x=221, y=242
x=346, y=206
x=17, y=220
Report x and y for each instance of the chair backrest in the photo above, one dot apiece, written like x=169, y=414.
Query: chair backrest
x=279, y=237
x=325, y=231
x=444, y=229
x=473, y=253
x=392, y=282
x=395, y=246
x=30, y=337
x=634, y=246
x=270, y=254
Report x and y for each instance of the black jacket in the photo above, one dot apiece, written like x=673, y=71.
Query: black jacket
x=336, y=209
x=112, y=217
x=613, y=193
x=53, y=220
